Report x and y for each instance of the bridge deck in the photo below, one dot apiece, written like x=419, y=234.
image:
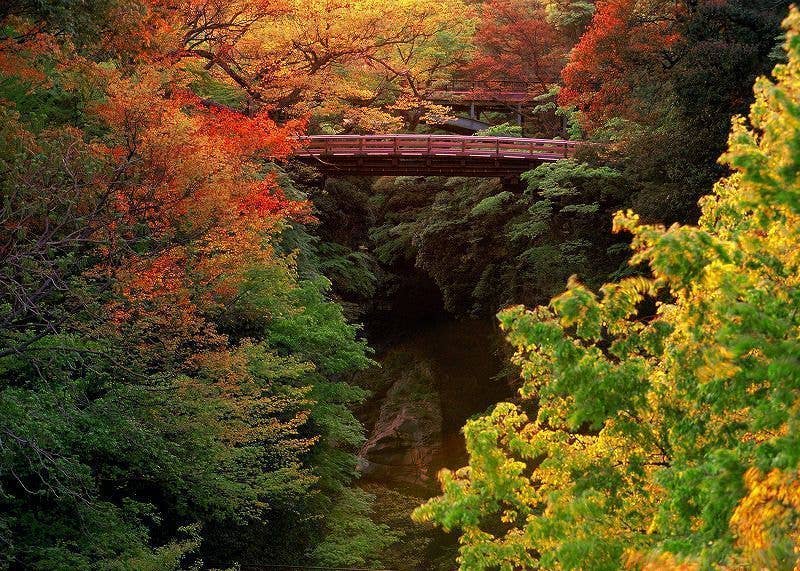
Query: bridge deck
x=430, y=154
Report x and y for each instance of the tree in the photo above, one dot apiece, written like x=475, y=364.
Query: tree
x=626, y=41
x=360, y=66
x=171, y=385
x=660, y=80
x=528, y=43
x=515, y=41
x=658, y=425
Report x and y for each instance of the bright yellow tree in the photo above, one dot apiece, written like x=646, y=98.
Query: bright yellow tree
x=659, y=420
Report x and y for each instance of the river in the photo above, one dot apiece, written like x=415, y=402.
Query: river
x=434, y=374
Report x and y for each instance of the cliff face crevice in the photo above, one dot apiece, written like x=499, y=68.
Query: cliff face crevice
x=406, y=439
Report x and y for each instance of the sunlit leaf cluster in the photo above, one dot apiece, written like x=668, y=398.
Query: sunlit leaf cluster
x=658, y=425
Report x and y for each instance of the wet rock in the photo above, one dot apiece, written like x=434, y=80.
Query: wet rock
x=407, y=435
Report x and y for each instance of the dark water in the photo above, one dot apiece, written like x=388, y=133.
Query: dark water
x=461, y=365
x=467, y=367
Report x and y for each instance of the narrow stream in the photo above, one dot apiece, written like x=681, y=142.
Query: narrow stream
x=434, y=374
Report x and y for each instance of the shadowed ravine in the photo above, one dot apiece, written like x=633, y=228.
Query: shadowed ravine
x=433, y=376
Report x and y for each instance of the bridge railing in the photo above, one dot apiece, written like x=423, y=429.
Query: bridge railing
x=435, y=145
x=494, y=91
x=488, y=85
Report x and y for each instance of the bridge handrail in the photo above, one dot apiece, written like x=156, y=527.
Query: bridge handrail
x=434, y=145
x=418, y=136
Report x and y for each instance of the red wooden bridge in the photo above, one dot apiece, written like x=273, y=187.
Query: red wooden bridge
x=431, y=155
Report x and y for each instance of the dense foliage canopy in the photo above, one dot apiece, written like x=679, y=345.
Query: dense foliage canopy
x=178, y=352
x=661, y=79
x=665, y=439
x=171, y=383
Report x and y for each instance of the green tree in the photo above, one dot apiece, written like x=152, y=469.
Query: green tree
x=486, y=245
x=172, y=385
x=659, y=420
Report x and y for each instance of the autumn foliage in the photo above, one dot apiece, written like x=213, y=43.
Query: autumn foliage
x=604, y=68
x=170, y=380
x=177, y=375
x=657, y=422
x=516, y=40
